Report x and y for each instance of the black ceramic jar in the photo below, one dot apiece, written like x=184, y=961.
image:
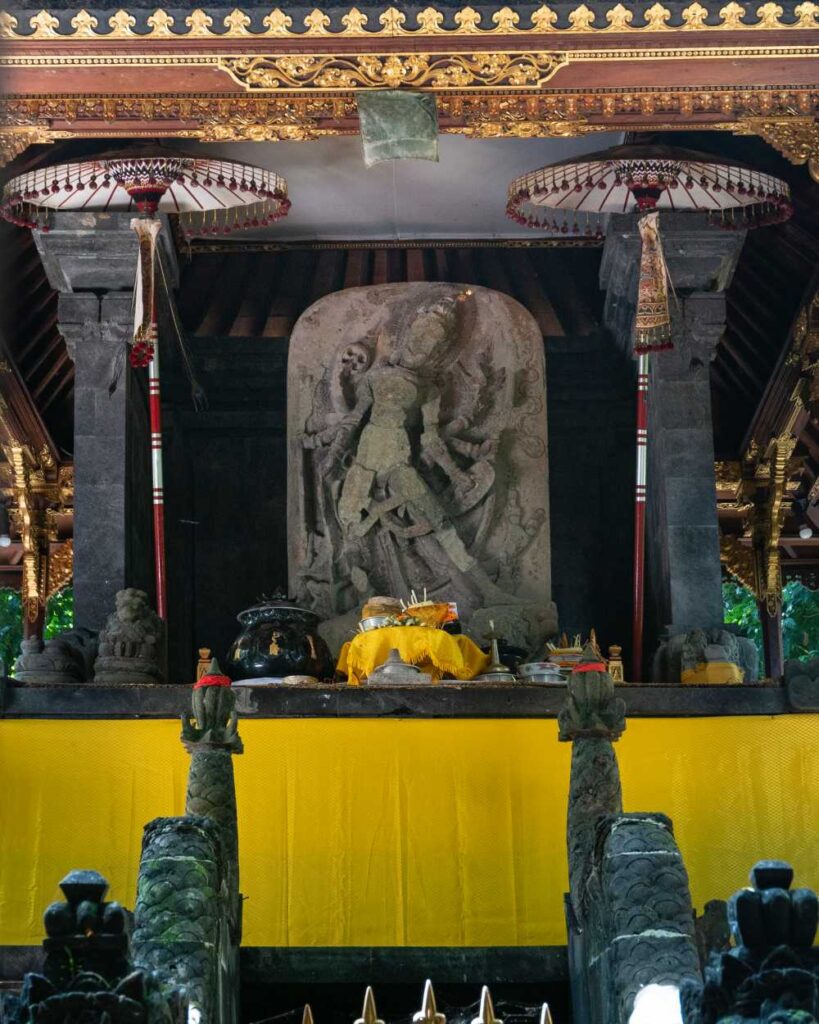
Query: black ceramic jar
x=278, y=639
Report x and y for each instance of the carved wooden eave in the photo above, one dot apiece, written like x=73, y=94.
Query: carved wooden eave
x=218, y=74
x=38, y=491
x=780, y=463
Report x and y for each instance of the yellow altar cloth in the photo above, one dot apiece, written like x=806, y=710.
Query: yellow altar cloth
x=710, y=672
x=432, y=650
x=397, y=832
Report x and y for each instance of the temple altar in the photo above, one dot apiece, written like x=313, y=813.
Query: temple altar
x=424, y=406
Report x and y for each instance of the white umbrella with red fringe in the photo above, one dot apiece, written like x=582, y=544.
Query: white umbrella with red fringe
x=646, y=180
x=209, y=196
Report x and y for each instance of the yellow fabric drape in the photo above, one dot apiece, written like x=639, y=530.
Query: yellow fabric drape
x=710, y=672
x=432, y=650
x=359, y=832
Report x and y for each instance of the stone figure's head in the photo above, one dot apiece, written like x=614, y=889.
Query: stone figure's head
x=132, y=605
x=428, y=337
x=355, y=359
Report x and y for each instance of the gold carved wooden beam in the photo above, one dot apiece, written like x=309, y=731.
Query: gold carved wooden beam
x=796, y=138
x=249, y=75
x=391, y=23
x=25, y=120
x=28, y=520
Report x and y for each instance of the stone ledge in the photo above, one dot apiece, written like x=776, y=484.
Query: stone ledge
x=443, y=701
x=365, y=965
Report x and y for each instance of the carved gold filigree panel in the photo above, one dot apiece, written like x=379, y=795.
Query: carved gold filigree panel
x=797, y=139
x=60, y=567
x=739, y=559
x=391, y=71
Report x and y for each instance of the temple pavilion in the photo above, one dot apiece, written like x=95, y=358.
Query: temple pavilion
x=414, y=357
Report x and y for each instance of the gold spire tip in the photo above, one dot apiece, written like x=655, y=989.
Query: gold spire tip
x=369, y=1014
x=486, y=1013
x=428, y=1014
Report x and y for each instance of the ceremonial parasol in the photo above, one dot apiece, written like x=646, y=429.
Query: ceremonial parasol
x=646, y=180
x=209, y=196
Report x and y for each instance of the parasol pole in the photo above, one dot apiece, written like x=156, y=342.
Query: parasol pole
x=640, y=517
x=155, y=408
x=146, y=352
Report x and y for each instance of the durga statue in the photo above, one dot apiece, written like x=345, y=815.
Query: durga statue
x=399, y=476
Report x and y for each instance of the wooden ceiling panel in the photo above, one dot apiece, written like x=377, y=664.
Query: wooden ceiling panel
x=231, y=292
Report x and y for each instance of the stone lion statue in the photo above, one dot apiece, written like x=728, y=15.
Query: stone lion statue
x=132, y=645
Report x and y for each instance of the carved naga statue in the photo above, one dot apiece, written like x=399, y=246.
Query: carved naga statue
x=631, y=923
x=771, y=976
x=88, y=975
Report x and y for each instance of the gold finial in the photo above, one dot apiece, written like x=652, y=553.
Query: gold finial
x=203, y=664
x=486, y=1013
x=307, y=1016
x=428, y=1014
x=615, y=663
x=368, y=1013
x=546, y=1015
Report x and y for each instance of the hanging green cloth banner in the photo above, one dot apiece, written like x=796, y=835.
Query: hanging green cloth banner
x=398, y=125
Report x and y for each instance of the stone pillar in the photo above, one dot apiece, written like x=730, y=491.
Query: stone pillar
x=90, y=259
x=682, y=533
x=682, y=536
x=96, y=331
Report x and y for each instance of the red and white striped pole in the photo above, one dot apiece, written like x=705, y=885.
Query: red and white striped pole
x=145, y=352
x=640, y=518
x=155, y=408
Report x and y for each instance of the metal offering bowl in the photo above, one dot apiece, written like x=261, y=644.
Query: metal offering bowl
x=541, y=672
x=375, y=622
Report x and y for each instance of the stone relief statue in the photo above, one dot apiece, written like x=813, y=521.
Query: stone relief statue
x=62, y=660
x=131, y=647
x=417, y=448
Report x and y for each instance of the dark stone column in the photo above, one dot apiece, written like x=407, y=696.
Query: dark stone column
x=91, y=260
x=682, y=535
x=108, y=516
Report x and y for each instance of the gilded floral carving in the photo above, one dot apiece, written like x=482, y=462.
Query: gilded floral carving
x=430, y=21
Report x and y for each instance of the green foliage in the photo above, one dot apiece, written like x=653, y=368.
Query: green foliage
x=800, y=617
x=800, y=621
x=59, y=617
x=11, y=627
x=740, y=608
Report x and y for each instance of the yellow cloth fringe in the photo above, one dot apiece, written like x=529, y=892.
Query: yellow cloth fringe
x=432, y=650
x=713, y=672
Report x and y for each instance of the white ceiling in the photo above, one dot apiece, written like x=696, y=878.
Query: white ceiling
x=336, y=198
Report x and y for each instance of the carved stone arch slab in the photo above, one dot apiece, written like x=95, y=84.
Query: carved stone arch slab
x=487, y=404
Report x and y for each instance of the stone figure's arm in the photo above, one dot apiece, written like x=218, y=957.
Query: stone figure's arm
x=343, y=431
x=339, y=427
x=430, y=416
x=487, y=449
